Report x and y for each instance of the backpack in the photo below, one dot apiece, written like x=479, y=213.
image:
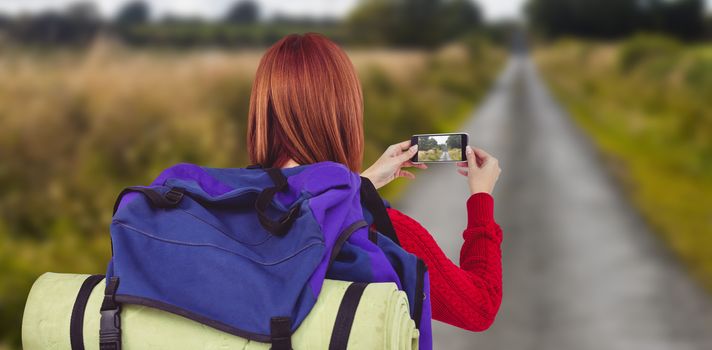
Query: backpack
x=246, y=250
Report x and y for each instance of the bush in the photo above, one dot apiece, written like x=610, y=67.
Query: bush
x=642, y=48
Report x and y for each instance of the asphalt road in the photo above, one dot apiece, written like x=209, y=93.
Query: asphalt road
x=581, y=268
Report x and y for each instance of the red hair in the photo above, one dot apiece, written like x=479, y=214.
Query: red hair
x=306, y=104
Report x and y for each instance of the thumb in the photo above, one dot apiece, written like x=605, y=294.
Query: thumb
x=471, y=158
x=407, y=155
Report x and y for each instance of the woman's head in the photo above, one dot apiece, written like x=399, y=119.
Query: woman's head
x=306, y=105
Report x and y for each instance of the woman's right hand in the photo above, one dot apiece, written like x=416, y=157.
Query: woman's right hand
x=481, y=169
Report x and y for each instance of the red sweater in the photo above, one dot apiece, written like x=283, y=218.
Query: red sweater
x=467, y=296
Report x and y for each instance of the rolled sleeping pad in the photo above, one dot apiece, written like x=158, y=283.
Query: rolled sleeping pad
x=381, y=320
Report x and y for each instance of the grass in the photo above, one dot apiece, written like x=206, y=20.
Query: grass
x=456, y=154
x=646, y=103
x=430, y=155
x=78, y=126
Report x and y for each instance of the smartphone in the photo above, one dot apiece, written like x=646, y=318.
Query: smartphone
x=440, y=148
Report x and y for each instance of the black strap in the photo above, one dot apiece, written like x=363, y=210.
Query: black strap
x=373, y=236
x=345, y=316
x=281, y=333
x=76, y=322
x=110, y=323
x=373, y=202
x=161, y=200
x=109, y=302
x=419, y=297
x=280, y=226
x=343, y=237
x=280, y=181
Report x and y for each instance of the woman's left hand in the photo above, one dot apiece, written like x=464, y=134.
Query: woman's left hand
x=390, y=165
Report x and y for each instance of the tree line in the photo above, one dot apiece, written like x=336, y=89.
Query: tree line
x=610, y=19
x=407, y=23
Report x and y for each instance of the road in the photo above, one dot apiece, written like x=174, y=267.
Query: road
x=581, y=268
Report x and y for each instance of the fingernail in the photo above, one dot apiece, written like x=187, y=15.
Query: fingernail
x=469, y=149
x=413, y=148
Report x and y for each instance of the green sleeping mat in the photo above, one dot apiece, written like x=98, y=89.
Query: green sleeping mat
x=382, y=321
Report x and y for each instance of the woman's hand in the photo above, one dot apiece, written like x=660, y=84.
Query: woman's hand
x=482, y=170
x=390, y=165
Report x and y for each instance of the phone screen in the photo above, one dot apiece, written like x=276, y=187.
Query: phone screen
x=440, y=147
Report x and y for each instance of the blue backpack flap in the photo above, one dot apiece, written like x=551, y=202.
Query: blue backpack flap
x=242, y=250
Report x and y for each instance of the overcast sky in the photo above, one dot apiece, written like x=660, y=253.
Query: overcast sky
x=494, y=9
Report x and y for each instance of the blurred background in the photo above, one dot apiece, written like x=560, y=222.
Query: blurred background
x=99, y=95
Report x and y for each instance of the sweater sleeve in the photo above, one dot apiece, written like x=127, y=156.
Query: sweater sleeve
x=466, y=296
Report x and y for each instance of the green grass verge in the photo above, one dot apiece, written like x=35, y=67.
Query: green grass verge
x=646, y=104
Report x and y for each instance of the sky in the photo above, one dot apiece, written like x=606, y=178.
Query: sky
x=440, y=139
x=493, y=9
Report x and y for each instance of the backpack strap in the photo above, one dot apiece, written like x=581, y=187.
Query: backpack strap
x=345, y=316
x=374, y=204
x=280, y=226
x=168, y=200
x=76, y=323
x=343, y=237
x=420, y=296
x=110, y=323
x=280, y=333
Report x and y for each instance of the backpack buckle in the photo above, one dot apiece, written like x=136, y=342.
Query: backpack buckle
x=173, y=196
x=110, y=329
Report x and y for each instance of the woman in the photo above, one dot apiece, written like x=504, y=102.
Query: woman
x=306, y=106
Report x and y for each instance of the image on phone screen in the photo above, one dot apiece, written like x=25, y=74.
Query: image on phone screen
x=440, y=147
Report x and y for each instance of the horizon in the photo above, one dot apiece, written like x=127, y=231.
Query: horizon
x=493, y=10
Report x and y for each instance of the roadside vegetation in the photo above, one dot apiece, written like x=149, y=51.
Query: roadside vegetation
x=647, y=103
x=430, y=155
x=456, y=154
